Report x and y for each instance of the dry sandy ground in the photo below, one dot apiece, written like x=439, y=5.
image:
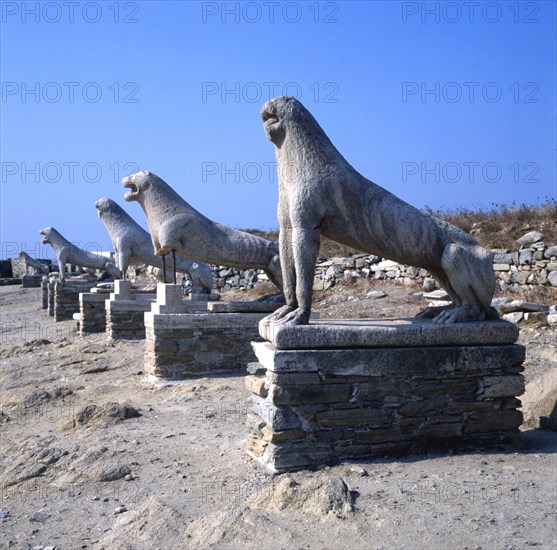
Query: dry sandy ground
x=95, y=455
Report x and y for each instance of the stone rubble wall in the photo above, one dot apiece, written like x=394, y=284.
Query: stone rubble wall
x=516, y=270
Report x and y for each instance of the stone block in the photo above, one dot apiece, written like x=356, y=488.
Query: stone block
x=404, y=390
x=206, y=343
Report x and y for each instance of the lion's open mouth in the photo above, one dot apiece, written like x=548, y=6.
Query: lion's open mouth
x=133, y=190
x=269, y=118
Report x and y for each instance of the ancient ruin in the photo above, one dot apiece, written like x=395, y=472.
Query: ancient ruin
x=133, y=245
x=355, y=389
x=177, y=227
x=29, y=262
x=66, y=252
x=320, y=193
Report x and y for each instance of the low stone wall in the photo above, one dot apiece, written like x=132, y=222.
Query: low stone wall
x=312, y=407
x=183, y=345
x=515, y=270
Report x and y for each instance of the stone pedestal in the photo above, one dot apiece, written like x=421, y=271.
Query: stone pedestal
x=354, y=389
x=44, y=293
x=31, y=281
x=186, y=338
x=92, y=312
x=50, y=298
x=64, y=297
x=125, y=310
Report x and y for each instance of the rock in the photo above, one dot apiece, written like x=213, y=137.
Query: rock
x=120, y=510
x=376, y=294
x=513, y=317
x=530, y=238
x=436, y=295
x=502, y=256
x=521, y=305
x=552, y=278
x=539, y=402
x=319, y=496
x=359, y=470
x=40, y=516
x=550, y=252
x=4, y=514
x=429, y=284
x=526, y=257
x=106, y=472
x=552, y=319
x=108, y=414
x=520, y=277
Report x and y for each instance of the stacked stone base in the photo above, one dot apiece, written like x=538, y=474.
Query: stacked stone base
x=182, y=345
x=44, y=293
x=64, y=298
x=92, y=318
x=399, y=391
x=125, y=318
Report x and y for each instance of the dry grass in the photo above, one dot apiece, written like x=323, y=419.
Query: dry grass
x=501, y=225
x=496, y=227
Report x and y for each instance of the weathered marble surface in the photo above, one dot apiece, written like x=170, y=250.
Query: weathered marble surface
x=175, y=225
x=133, y=245
x=321, y=193
x=31, y=262
x=241, y=307
x=411, y=332
x=66, y=252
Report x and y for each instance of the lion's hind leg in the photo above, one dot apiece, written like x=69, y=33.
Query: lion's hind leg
x=470, y=275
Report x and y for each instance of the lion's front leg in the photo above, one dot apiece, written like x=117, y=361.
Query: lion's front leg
x=305, y=247
x=288, y=276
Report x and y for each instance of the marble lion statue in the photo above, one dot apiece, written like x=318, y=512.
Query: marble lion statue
x=66, y=252
x=31, y=262
x=133, y=245
x=320, y=193
x=176, y=225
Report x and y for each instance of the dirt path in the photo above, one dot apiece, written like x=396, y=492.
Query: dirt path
x=95, y=455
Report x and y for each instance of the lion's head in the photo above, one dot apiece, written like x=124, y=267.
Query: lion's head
x=47, y=232
x=104, y=206
x=137, y=183
x=283, y=115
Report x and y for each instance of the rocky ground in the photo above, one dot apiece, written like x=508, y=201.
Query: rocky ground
x=95, y=455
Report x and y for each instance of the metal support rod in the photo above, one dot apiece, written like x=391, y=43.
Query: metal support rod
x=174, y=264
x=163, y=268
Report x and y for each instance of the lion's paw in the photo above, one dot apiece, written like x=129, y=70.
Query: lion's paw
x=297, y=317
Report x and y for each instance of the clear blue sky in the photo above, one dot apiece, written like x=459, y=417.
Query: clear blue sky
x=443, y=106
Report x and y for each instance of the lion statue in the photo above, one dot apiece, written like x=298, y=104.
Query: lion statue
x=321, y=194
x=66, y=252
x=133, y=245
x=177, y=226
